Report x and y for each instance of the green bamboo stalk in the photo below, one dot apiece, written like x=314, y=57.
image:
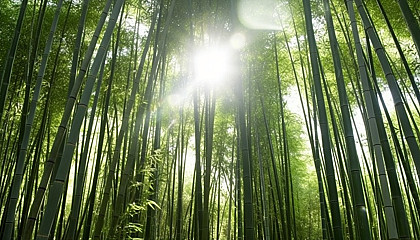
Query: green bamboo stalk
x=179, y=208
x=262, y=186
x=62, y=129
x=246, y=162
x=373, y=130
x=30, y=70
x=64, y=167
x=77, y=44
x=400, y=52
x=392, y=83
x=104, y=120
x=7, y=72
x=198, y=186
x=53, y=77
x=80, y=179
x=400, y=214
x=323, y=122
x=19, y=170
x=120, y=137
x=145, y=108
x=412, y=23
x=28, y=80
x=208, y=141
x=31, y=181
x=359, y=205
x=160, y=41
x=317, y=162
x=314, y=146
x=403, y=158
x=340, y=159
x=238, y=190
x=231, y=169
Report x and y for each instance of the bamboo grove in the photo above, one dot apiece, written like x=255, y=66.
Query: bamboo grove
x=301, y=121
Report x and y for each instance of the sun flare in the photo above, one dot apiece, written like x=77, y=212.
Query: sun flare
x=212, y=65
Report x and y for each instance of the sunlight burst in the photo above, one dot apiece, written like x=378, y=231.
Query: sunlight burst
x=212, y=65
x=237, y=40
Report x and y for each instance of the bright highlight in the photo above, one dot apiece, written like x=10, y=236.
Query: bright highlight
x=212, y=65
x=263, y=14
x=238, y=41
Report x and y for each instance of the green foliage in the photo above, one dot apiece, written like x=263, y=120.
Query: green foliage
x=195, y=25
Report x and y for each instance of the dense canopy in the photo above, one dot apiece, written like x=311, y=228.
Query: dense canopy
x=181, y=119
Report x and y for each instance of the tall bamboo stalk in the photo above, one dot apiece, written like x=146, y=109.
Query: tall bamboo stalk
x=17, y=180
x=362, y=223
x=64, y=167
x=323, y=122
x=7, y=72
x=62, y=129
x=393, y=86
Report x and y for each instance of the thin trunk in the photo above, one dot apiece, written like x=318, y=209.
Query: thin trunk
x=7, y=72
x=64, y=167
x=412, y=23
x=373, y=130
x=361, y=219
x=246, y=163
x=120, y=137
x=323, y=121
x=393, y=86
x=19, y=170
x=263, y=197
x=62, y=129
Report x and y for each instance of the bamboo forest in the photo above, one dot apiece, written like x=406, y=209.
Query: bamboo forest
x=218, y=119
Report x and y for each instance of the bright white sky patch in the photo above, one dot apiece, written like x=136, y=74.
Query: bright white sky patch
x=142, y=29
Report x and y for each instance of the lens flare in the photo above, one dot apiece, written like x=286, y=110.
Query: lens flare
x=212, y=65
